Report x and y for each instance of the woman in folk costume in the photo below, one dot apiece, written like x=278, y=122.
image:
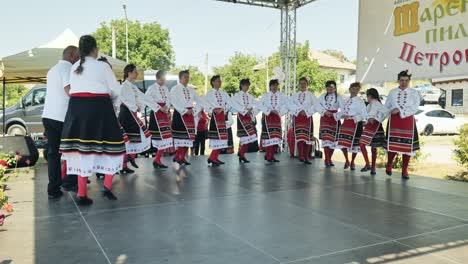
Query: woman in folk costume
x=402, y=134
x=245, y=118
x=303, y=106
x=329, y=104
x=373, y=134
x=186, y=103
x=274, y=105
x=218, y=103
x=133, y=101
x=91, y=139
x=354, y=112
x=160, y=118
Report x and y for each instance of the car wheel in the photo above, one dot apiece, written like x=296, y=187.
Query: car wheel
x=428, y=130
x=16, y=130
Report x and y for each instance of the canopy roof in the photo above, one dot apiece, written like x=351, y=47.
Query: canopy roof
x=31, y=66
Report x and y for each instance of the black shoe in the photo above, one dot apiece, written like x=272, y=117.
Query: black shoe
x=352, y=167
x=302, y=160
x=159, y=166
x=186, y=162
x=126, y=170
x=244, y=160
x=88, y=181
x=327, y=165
x=332, y=164
x=405, y=177
x=212, y=162
x=56, y=195
x=269, y=160
x=373, y=172
x=275, y=160
x=307, y=162
x=108, y=194
x=389, y=173
x=99, y=176
x=83, y=200
x=366, y=168
x=132, y=161
x=221, y=162
x=71, y=188
x=346, y=165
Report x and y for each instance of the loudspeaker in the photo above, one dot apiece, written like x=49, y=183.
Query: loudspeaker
x=20, y=145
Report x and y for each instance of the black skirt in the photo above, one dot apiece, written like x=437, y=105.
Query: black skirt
x=91, y=127
x=129, y=124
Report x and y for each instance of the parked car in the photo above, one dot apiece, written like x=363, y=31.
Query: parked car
x=429, y=93
x=437, y=121
x=25, y=117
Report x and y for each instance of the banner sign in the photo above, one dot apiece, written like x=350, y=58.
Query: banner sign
x=427, y=37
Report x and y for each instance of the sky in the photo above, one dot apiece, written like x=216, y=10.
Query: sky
x=196, y=27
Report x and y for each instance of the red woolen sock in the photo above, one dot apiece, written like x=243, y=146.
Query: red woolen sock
x=184, y=153
x=326, y=151
x=330, y=154
x=353, y=157
x=364, y=154
x=307, y=151
x=178, y=153
x=133, y=156
x=300, y=150
x=272, y=152
x=374, y=158
x=64, y=169
x=243, y=150
x=108, y=181
x=390, y=158
x=124, y=164
x=159, y=154
x=345, y=153
x=214, y=155
x=406, y=160
x=82, y=186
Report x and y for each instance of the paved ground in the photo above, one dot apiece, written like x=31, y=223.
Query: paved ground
x=253, y=213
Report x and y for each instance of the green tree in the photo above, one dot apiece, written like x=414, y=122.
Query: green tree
x=197, y=78
x=14, y=92
x=241, y=66
x=149, y=45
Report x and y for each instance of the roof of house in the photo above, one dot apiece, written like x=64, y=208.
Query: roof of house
x=463, y=78
x=329, y=61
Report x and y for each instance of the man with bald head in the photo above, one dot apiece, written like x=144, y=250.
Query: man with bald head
x=55, y=108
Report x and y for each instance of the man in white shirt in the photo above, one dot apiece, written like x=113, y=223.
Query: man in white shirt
x=55, y=108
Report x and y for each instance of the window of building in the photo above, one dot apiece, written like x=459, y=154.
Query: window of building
x=342, y=78
x=457, y=97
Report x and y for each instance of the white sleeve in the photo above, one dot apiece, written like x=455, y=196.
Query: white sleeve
x=361, y=111
x=233, y=103
x=262, y=105
x=177, y=102
x=65, y=78
x=148, y=101
x=389, y=101
x=127, y=97
x=201, y=102
x=151, y=96
x=319, y=107
x=293, y=105
x=210, y=102
x=314, y=103
x=284, y=103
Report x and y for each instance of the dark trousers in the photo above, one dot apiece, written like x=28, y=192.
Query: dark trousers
x=53, y=130
x=199, y=143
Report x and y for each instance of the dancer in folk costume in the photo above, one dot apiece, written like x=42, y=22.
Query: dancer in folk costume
x=373, y=134
x=329, y=104
x=402, y=133
x=274, y=105
x=353, y=113
x=202, y=120
x=245, y=118
x=133, y=101
x=303, y=105
x=160, y=118
x=91, y=139
x=218, y=103
x=187, y=103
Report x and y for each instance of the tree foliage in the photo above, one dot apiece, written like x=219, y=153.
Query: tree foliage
x=337, y=54
x=14, y=92
x=149, y=44
x=461, y=152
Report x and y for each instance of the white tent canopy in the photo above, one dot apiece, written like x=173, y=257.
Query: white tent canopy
x=31, y=66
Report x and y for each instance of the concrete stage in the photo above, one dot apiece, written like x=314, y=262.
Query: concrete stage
x=241, y=214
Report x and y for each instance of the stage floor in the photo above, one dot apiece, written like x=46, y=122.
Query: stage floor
x=241, y=214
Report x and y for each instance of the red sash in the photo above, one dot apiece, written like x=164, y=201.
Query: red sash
x=164, y=124
x=247, y=124
x=220, y=126
x=141, y=125
x=347, y=133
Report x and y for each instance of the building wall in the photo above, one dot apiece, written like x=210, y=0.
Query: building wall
x=449, y=87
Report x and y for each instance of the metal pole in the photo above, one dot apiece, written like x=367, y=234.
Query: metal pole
x=126, y=28
x=206, y=73
x=4, y=104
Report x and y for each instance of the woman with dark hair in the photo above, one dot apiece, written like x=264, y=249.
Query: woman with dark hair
x=329, y=104
x=133, y=101
x=373, y=134
x=91, y=139
x=302, y=106
x=245, y=118
x=187, y=104
x=218, y=103
x=402, y=133
x=160, y=118
x=274, y=105
x=353, y=113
